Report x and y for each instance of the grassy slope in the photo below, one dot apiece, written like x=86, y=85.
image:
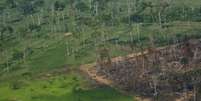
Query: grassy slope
x=60, y=88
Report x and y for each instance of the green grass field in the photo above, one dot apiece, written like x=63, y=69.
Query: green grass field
x=59, y=88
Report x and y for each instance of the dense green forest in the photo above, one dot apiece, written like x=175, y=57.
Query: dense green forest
x=40, y=36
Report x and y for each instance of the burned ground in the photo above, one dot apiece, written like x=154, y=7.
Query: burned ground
x=167, y=69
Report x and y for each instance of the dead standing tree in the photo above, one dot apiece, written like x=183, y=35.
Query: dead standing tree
x=155, y=69
x=103, y=58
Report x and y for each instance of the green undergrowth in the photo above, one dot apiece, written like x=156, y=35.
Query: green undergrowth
x=69, y=87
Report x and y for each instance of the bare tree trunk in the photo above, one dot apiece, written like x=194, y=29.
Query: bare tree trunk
x=63, y=15
x=58, y=22
x=159, y=19
x=135, y=6
x=7, y=61
x=138, y=31
x=39, y=20
x=90, y=4
x=24, y=55
x=32, y=18
x=4, y=18
x=96, y=8
x=67, y=49
x=129, y=11
x=53, y=13
x=39, y=16
x=112, y=13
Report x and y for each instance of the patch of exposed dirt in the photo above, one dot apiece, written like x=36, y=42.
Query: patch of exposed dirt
x=120, y=72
